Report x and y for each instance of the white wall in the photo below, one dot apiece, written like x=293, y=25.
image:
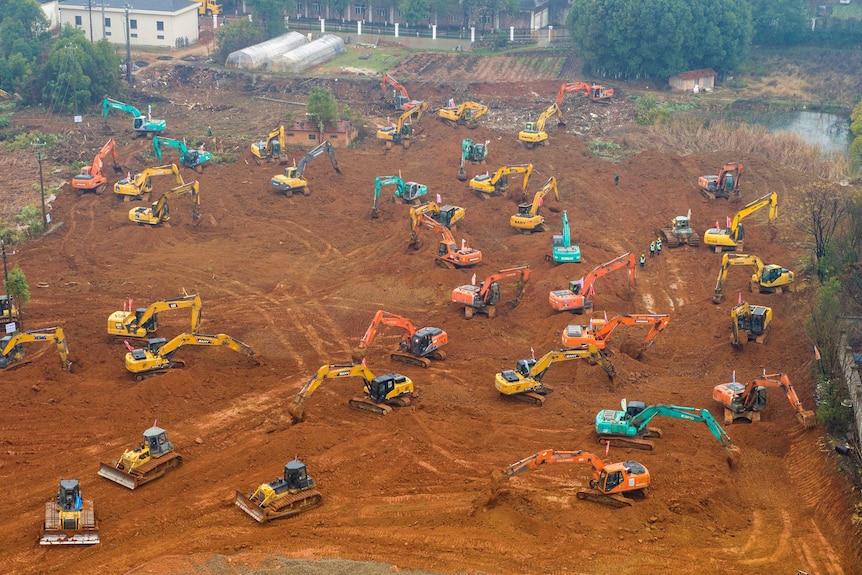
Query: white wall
x=143, y=25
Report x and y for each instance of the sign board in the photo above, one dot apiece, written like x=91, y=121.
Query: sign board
x=11, y=327
x=79, y=119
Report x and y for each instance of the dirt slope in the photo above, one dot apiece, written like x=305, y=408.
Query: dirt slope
x=298, y=279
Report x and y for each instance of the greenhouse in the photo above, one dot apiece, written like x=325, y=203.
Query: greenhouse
x=262, y=55
x=301, y=59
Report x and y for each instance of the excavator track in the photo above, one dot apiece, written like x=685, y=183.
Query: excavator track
x=411, y=359
x=630, y=442
x=438, y=355
x=365, y=404
x=287, y=506
x=611, y=500
x=159, y=370
x=530, y=397
x=151, y=470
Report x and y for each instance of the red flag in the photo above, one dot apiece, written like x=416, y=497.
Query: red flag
x=816, y=353
x=607, y=446
x=739, y=301
x=606, y=316
x=716, y=225
x=532, y=353
x=439, y=199
x=130, y=348
x=729, y=222
x=363, y=363
x=592, y=291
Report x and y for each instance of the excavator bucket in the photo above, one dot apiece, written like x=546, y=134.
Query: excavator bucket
x=296, y=411
x=807, y=419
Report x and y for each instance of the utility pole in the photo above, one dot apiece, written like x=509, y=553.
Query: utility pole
x=42, y=188
x=90, y=10
x=128, y=48
x=103, y=20
x=5, y=271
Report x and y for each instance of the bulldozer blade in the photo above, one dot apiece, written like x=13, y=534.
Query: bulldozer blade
x=255, y=512
x=69, y=538
x=108, y=471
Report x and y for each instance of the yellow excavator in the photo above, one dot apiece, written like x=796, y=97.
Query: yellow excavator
x=467, y=114
x=752, y=321
x=285, y=497
x=446, y=215
x=769, y=278
x=528, y=220
x=152, y=459
x=142, y=184
x=525, y=381
x=157, y=357
x=12, y=346
x=380, y=393
x=293, y=180
x=534, y=133
x=269, y=149
x=407, y=126
x=69, y=519
x=731, y=239
x=159, y=213
x=498, y=182
x=141, y=322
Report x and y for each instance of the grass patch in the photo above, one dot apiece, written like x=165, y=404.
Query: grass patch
x=846, y=11
x=377, y=59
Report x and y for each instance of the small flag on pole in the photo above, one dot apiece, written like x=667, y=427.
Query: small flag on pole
x=606, y=316
x=607, y=446
x=532, y=353
x=739, y=301
x=473, y=281
x=729, y=222
x=816, y=353
x=592, y=291
x=439, y=199
x=363, y=363
x=716, y=225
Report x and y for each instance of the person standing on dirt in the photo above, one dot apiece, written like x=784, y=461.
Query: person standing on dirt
x=651, y=249
x=616, y=179
x=642, y=261
x=658, y=246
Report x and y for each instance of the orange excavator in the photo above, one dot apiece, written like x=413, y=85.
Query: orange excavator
x=418, y=346
x=747, y=401
x=484, y=297
x=724, y=185
x=578, y=297
x=612, y=483
x=449, y=255
x=599, y=331
x=91, y=178
x=397, y=94
x=594, y=92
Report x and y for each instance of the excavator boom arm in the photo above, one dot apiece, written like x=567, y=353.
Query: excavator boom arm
x=550, y=456
x=625, y=260
x=521, y=272
x=324, y=147
x=188, y=338
x=187, y=301
x=389, y=319
x=641, y=420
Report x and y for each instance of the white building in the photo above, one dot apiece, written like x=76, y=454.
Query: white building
x=163, y=23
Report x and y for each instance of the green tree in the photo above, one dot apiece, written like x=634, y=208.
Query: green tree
x=322, y=105
x=415, y=11
x=17, y=287
x=856, y=130
x=270, y=15
x=779, y=22
x=79, y=73
x=659, y=38
x=236, y=35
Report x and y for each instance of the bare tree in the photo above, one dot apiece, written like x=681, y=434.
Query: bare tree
x=826, y=205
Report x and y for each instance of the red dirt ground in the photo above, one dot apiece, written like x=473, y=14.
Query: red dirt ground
x=298, y=279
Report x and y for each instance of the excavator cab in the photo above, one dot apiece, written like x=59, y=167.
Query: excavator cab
x=380, y=387
x=613, y=479
x=771, y=273
x=424, y=341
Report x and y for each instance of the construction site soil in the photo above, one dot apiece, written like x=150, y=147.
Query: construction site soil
x=300, y=278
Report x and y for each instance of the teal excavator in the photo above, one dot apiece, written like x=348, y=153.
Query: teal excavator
x=407, y=192
x=473, y=152
x=142, y=124
x=630, y=427
x=194, y=159
x=563, y=249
